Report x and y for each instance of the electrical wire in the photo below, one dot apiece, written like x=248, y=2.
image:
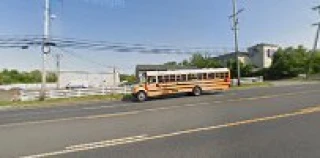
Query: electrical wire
x=75, y=55
x=28, y=41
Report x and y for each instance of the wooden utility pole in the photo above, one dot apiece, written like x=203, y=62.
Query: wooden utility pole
x=45, y=49
x=58, y=66
x=235, y=28
x=315, y=45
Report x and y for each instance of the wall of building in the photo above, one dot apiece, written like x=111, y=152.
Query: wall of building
x=268, y=55
x=256, y=56
x=261, y=55
x=89, y=78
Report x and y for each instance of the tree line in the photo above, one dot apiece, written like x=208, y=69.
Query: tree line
x=287, y=63
x=14, y=76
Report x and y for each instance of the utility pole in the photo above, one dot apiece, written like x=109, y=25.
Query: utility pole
x=114, y=79
x=235, y=28
x=315, y=45
x=45, y=49
x=58, y=65
x=114, y=76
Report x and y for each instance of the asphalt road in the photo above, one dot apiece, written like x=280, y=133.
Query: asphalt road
x=260, y=122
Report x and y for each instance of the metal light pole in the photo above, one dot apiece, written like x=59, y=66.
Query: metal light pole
x=235, y=29
x=45, y=49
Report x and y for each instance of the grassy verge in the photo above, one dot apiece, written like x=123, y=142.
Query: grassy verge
x=68, y=101
x=86, y=99
x=246, y=86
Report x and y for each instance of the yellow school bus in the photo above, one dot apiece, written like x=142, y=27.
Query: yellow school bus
x=192, y=81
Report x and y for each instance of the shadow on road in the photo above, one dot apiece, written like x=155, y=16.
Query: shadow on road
x=169, y=97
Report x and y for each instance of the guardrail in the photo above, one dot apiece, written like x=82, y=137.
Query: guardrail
x=27, y=95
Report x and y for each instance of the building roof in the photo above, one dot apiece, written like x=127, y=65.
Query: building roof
x=266, y=44
x=232, y=54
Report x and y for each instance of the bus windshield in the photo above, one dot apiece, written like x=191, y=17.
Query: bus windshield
x=143, y=78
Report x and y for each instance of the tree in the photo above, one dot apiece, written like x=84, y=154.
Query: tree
x=171, y=63
x=316, y=63
x=245, y=69
x=197, y=60
x=14, y=76
x=201, y=61
x=289, y=62
x=130, y=79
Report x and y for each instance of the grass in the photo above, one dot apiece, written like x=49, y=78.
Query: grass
x=68, y=101
x=114, y=97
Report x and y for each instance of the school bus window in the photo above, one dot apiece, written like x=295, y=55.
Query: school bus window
x=142, y=78
x=204, y=76
x=227, y=75
x=211, y=76
x=199, y=76
x=222, y=75
x=183, y=77
x=192, y=77
x=178, y=77
x=160, y=79
x=189, y=77
x=152, y=79
x=172, y=78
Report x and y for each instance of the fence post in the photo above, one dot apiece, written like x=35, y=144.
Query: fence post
x=103, y=90
x=78, y=93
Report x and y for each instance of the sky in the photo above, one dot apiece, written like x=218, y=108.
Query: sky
x=177, y=23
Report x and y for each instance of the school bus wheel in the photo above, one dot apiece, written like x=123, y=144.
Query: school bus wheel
x=141, y=96
x=197, y=91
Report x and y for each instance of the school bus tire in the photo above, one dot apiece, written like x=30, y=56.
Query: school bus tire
x=197, y=91
x=141, y=96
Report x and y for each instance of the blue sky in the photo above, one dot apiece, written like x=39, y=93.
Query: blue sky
x=179, y=23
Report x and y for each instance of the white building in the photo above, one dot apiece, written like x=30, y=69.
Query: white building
x=261, y=55
x=243, y=57
x=86, y=79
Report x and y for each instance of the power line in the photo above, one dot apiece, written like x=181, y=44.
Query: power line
x=75, y=55
x=109, y=46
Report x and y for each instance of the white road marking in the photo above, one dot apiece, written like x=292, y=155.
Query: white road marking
x=144, y=137
x=90, y=146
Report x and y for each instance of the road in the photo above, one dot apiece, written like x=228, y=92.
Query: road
x=259, y=122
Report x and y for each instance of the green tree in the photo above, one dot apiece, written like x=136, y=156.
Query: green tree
x=171, y=63
x=129, y=78
x=289, y=62
x=14, y=76
x=201, y=61
x=316, y=63
x=51, y=77
x=245, y=69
